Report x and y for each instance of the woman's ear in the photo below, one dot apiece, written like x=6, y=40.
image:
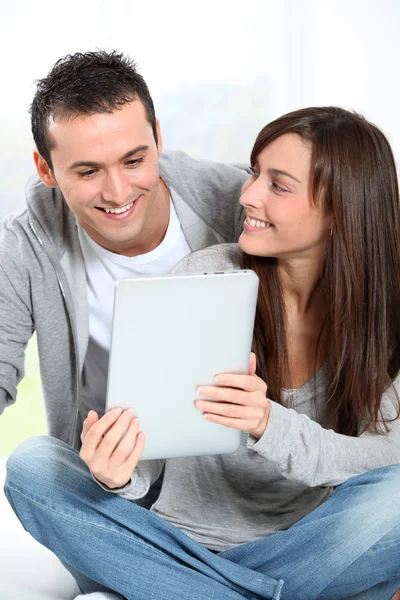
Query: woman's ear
x=44, y=170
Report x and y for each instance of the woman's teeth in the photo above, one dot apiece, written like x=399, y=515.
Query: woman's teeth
x=256, y=223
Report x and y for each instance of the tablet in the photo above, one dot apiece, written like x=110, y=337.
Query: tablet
x=170, y=335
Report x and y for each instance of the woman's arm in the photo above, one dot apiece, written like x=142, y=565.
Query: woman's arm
x=302, y=450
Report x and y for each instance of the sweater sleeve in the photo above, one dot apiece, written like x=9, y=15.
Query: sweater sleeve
x=16, y=322
x=303, y=451
x=146, y=473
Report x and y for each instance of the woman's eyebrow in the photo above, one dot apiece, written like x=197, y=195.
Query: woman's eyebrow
x=284, y=173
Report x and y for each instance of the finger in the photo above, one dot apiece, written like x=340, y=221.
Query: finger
x=134, y=457
x=89, y=422
x=225, y=409
x=229, y=394
x=114, y=435
x=228, y=422
x=249, y=383
x=95, y=434
x=253, y=364
x=126, y=443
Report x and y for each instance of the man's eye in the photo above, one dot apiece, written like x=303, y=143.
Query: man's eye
x=134, y=162
x=88, y=173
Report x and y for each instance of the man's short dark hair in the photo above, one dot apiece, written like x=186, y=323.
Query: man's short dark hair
x=86, y=84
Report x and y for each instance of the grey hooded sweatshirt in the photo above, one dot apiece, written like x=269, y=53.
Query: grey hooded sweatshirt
x=43, y=279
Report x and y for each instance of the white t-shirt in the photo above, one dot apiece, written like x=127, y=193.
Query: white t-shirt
x=103, y=269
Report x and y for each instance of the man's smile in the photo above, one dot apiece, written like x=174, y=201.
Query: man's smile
x=119, y=213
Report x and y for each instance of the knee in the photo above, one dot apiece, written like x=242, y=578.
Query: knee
x=386, y=480
x=36, y=462
x=378, y=491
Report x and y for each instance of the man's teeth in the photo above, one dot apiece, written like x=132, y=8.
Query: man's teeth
x=255, y=223
x=117, y=211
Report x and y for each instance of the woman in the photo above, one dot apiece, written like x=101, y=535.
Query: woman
x=319, y=411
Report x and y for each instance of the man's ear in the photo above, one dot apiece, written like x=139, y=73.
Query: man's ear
x=159, y=137
x=44, y=170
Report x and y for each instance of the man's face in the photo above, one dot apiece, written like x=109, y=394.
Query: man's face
x=106, y=166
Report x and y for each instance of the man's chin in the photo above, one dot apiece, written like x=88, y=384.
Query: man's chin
x=115, y=242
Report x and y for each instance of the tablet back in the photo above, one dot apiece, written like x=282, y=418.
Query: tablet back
x=170, y=335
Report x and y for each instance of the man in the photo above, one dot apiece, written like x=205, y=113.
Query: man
x=105, y=204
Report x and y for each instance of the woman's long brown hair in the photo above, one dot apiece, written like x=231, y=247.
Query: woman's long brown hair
x=354, y=179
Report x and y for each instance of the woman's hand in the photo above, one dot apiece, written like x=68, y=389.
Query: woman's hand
x=239, y=401
x=112, y=446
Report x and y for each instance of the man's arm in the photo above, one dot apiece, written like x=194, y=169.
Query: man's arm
x=16, y=325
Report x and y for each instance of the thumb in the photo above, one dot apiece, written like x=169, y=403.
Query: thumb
x=253, y=364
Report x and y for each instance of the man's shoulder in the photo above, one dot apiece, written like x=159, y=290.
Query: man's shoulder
x=12, y=227
x=211, y=190
x=36, y=194
x=179, y=169
x=45, y=221
x=223, y=257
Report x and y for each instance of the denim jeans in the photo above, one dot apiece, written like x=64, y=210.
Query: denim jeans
x=349, y=547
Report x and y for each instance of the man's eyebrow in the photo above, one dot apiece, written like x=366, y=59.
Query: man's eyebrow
x=284, y=173
x=90, y=163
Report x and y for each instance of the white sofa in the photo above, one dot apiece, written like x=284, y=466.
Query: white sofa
x=28, y=571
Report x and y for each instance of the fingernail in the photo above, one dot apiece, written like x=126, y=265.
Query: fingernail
x=219, y=378
x=117, y=411
x=130, y=413
x=201, y=390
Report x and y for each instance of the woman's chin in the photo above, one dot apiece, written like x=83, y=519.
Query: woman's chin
x=251, y=246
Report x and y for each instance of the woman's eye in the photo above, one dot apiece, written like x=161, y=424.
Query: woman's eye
x=278, y=187
x=254, y=172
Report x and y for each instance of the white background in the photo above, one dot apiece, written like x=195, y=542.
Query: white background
x=218, y=70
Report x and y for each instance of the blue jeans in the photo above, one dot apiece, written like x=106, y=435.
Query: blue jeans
x=349, y=547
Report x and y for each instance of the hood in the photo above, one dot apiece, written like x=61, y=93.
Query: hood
x=48, y=210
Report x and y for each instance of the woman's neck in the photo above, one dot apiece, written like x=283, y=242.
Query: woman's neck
x=299, y=279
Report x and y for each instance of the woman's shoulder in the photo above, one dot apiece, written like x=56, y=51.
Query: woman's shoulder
x=220, y=257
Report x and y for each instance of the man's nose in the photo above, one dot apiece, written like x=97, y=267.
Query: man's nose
x=115, y=189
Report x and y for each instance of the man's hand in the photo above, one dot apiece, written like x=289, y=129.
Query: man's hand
x=239, y=401
x=112, y=446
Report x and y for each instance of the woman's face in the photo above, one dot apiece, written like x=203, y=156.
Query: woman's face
x=281, y=218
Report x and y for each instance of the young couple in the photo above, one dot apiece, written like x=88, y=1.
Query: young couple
x=308, y=507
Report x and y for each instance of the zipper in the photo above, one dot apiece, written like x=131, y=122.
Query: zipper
x=55, y=267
